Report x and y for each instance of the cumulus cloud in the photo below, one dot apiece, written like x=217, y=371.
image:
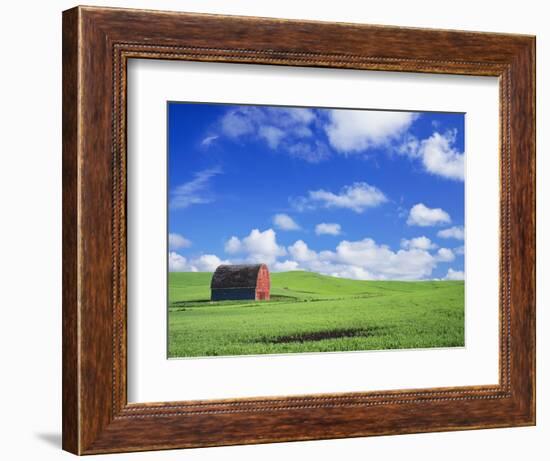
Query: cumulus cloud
x=233, y=245
x=361, y=259
x=300, y=252
x=421, y=215
x=194, y=192
x=239, y=122
x=272, y=135
x=208, y=263
x=285, y=266
x=257, y=247
x=176, y=262
x=176, y=241
x=438, y=154
x=445, y=255
x=284, y=129
x=308, y=133
x=313, y=151
x=328, y=229
x=454, y=275
x=203, y=263
x=351, y=272
x=440, y=157
x=410, y=146
x=357, y=197
x=367, y=260
x=383, y=263
x=420, y=243
x=352, y=131
x=285, y=222
x=455, y=232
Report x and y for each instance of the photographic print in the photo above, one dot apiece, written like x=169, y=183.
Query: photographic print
x=309, y=229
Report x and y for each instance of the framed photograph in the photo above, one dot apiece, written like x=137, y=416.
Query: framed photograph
x=281, y=230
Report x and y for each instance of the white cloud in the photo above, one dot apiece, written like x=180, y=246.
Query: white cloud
x=357, y=197
x=352, y=272
x=272, y=135
x=291, y=130
x=238, y=122
x=313, y=151
x=366, y=260
x=328, y=229
x=285, y=266
x=409, y=146
x=351, y=131
x=290, y=115
x=459, y=250
x=194, y=192
x=233, y=245
x=454, y=275
x=455, y=232
x=203, y=263
x=421, y=215
x=209, y=140
x=300, y=252
x=176, y=262
x=176, y=241
x=440, y=157
x=257, y=247
x=420, y=243
x=285, y=222
x=362, y=259
x=284, y=129
x=383, y=263
x=438, y=154
x=445, y=255
x=208, y=263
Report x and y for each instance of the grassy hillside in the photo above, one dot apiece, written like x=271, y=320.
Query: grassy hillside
x=314, y=313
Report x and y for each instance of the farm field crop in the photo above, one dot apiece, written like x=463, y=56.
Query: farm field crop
x=309, y=312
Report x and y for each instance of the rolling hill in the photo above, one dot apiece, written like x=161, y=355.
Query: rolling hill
x=310, y=312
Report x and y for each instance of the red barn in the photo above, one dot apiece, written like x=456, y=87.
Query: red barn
x=240, y=281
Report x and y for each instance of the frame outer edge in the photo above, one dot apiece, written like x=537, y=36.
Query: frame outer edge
x=523, y=234
x=91, y=422
x=70, y=190
x=529, y=59
x=533, y=51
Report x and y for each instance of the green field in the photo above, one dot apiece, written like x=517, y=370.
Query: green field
x=309, y=312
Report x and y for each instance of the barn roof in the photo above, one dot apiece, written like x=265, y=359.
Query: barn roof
x=236, y=276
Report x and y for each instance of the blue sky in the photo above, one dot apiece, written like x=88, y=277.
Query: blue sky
x=351, y=193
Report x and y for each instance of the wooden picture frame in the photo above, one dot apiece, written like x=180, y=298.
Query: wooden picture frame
x=97, y=43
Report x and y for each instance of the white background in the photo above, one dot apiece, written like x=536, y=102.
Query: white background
x=153, y=378
x=30, y=243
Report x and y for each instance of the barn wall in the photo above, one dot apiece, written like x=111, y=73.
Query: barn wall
x=263, y=285
x=221, y=294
